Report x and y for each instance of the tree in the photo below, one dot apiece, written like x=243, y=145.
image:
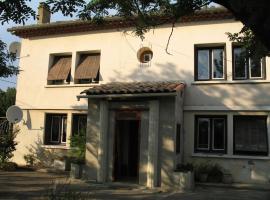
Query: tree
x=7, y=99
x=253, y=14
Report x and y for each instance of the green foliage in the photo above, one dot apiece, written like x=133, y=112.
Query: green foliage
x=78, y=145
x=7, y=145
x=213, y=170
x=253, y=46
x=30, y=160
x=7, y=99
x=7, y=67
x=184, y=167
x=8, y=166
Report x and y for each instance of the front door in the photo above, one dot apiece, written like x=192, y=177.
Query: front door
x=126, y=147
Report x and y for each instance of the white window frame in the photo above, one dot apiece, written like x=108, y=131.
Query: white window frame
x=213, y=134
x=234, y=64
x=60, y=131
x=198, y=128
x=261, y=65
x=223, y=64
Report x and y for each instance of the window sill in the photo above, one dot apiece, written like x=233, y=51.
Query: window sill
x=230, y=82
x=225, y=156
x=71, y=85
x=55, y=147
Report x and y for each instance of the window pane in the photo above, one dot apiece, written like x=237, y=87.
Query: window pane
x=250, y=135
x=239, y=63
x=218, y=68
x=79, y=123
x=218, y=134
x=255, y=68
x=64, y=132
x=55, y=128
x=203, y=133
x=203, y=64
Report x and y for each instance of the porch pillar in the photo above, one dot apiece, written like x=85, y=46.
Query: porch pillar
x=152, y=174
x=103, y=141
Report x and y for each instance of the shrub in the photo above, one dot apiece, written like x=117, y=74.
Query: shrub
x=78, y=145
x=215, y=173
x=7, y=144
x=184, y=167
x=8, y=166
x=30, y=160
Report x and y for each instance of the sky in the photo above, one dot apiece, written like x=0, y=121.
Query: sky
x=9, y=38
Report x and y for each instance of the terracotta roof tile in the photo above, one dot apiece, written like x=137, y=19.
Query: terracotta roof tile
x=135, y=88
x=75, y=26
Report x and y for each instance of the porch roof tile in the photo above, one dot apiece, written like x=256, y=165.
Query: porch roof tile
x=135, y=88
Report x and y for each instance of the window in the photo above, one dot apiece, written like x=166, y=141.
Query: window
x=88, y=68
x=79, y=123
x=245, y=67
x=250, y=135
x=56, y=129
x=209, y=63
x=59, y=72
x=210, y=134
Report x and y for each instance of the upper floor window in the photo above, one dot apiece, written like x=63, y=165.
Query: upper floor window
x=209, y=63
x=245, y=67
x=56, y=129
x=210, y=134
x=59, y=72
x=87, y=70
x=250, y=135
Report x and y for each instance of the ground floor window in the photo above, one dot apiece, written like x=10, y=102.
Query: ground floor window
x=250, y=135
x=56, y=129
x=79, y=123
x=210, y=134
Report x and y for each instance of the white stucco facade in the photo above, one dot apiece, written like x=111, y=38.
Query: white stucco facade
x=119, y=63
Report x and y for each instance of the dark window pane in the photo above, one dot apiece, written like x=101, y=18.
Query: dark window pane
x=79, y=123
x=239, y=63
x=203, y=64
x=55, y=129
x=255, y=68
x=218, y=134
x=64, y=134
x=218, y=68
x=250, y=135
x=203, y=133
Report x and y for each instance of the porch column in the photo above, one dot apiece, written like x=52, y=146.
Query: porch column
x=103, y=141
x=152, y=174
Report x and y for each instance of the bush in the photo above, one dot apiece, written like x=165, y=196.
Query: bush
x=30, y=160
x=8, y=166
x=78, y=145
x=184, y=167
x=214, y=172
x=7, y=144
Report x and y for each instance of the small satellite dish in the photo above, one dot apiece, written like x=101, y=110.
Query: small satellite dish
x=15, y=47
x=14, y=114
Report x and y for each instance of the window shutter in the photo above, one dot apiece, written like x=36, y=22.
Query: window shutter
x=60, y=69
x=88, y=67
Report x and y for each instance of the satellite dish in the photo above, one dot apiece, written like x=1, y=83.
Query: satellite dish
x=14, y=114
x=15, y=48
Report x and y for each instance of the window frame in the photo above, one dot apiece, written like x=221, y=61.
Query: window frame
x=247, y=67
x=48, y=130
x=250, y=153
x=210, y=148
x=210, y=49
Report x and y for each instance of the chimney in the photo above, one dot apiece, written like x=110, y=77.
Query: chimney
x=44, y=14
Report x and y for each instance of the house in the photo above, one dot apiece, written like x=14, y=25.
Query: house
x=145, y=110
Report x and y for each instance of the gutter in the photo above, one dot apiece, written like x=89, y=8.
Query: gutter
x=126, y=95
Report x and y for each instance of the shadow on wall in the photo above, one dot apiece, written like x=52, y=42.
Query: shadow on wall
x=39, y=156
